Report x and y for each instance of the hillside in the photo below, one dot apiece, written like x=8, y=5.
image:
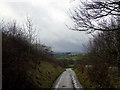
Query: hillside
x=68, y=55
x=26, y=65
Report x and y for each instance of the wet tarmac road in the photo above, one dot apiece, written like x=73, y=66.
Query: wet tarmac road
x=67, y=80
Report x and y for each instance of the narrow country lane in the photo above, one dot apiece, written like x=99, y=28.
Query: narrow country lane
x=68, y=80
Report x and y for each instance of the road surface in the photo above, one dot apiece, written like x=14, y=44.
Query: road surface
x=68, y=80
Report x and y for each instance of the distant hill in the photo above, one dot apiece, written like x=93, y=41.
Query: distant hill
x=68, y=55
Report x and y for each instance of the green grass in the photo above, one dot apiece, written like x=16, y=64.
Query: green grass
x=114, y=80
x=71, y=66
x=44, y=75
x=74, y=58
x=83, y=79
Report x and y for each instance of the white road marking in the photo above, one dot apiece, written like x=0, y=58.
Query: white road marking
x=59, y=81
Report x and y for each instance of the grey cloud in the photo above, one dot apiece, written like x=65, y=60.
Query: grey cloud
x=52, y=31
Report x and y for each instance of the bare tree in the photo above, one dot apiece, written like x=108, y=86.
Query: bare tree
x=100, y=15
x=31, y=33
x=31, y=30
x=96, y=16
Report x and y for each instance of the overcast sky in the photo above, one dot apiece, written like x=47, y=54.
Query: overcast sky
x=50, y=18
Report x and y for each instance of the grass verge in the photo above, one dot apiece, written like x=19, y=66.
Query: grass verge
x=114, y=81
x=44, y=75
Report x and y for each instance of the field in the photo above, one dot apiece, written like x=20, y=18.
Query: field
x=68, y=56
